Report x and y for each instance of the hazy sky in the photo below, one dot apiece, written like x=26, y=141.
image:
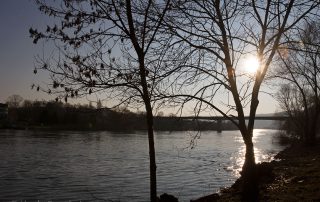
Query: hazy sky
x=17, y=53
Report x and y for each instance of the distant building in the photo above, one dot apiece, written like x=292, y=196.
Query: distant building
x=3, y=111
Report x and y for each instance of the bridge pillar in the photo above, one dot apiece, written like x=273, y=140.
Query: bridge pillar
x=219, y=125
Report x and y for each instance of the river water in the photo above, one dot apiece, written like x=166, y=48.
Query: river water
x=64, y=166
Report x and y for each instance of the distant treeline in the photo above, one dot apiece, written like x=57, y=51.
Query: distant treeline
x=61, y=116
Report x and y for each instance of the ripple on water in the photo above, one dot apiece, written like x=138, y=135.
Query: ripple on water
x=74, y=166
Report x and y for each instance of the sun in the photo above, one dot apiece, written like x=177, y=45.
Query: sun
x=251, y=64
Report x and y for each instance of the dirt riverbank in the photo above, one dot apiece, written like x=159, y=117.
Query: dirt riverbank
x=293, y=176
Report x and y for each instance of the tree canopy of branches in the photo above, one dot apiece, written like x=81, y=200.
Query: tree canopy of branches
x=300, y=68
x=202, y=44
x=216, y=36
x=105, y=46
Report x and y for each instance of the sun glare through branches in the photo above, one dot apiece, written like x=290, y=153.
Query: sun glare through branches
x=251, y=64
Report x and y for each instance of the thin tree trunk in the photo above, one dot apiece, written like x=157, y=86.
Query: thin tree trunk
x=152, y=156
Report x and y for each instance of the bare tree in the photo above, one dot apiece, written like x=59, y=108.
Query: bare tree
x=299, y=67
x=217, y=35
x=99, y=104
x=106, y=46
x=291, y=100
x=14, y=101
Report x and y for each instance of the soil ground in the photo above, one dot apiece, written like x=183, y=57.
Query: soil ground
x=295, y=176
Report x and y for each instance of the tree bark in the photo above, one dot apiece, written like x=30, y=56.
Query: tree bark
x=148, y=107
x=249, y=161
x=152, y=156
x=249, y=174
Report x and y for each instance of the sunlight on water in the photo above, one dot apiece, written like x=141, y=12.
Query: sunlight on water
x=261, y=150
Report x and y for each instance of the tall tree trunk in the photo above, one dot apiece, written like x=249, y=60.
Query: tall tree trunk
x=148, y=107
x=249, y=174
x=249, y=162
x=152, y=155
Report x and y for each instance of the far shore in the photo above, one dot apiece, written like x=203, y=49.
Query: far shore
x=76, y=128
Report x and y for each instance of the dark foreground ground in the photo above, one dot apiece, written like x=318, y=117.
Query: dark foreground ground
x=293, y=176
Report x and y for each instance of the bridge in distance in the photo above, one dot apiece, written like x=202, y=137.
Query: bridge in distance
x=219, y=119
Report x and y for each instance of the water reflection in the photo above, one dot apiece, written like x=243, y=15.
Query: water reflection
x=262, y=139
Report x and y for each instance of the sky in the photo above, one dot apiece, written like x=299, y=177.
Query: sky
x=17, y=50
x=17, y=53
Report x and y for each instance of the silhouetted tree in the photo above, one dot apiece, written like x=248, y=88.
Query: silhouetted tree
x=99, y=104
x=88, y=36
x=216, y=36
x=291, y=101
x=299, y=67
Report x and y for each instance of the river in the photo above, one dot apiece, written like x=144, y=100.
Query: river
x=65, y=166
